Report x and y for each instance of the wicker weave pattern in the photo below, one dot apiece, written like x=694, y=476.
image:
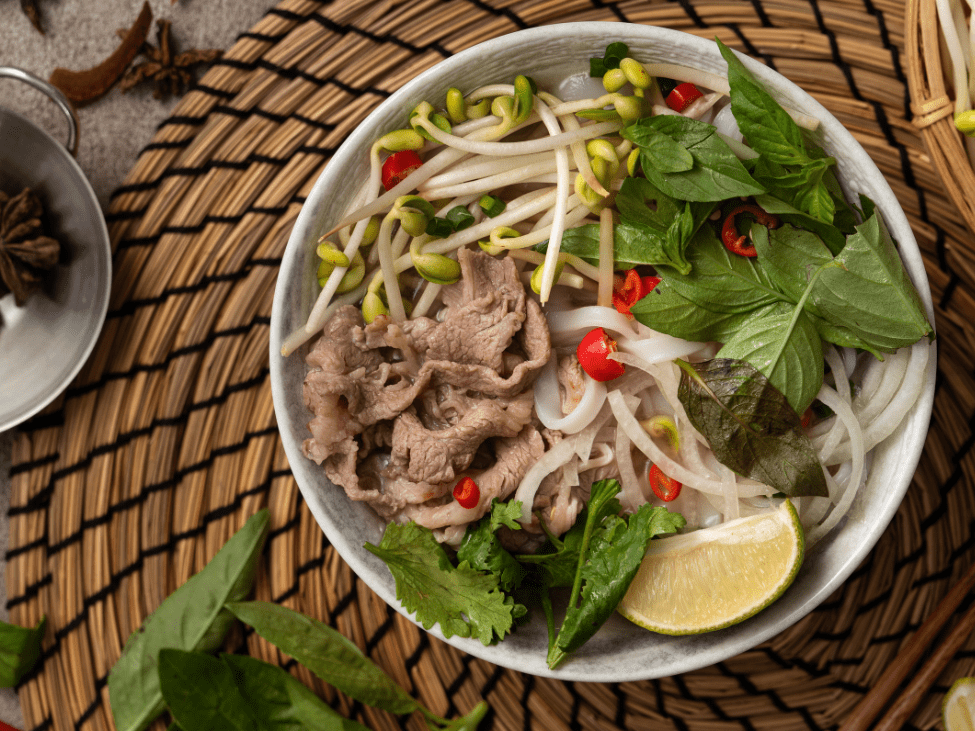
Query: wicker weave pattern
x=166, y=442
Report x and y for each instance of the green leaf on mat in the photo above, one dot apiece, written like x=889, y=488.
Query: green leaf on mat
x=19, y=649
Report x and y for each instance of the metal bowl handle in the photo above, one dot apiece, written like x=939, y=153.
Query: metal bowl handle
x=55, y=95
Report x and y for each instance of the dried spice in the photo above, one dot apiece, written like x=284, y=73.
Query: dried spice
x=33, y=13
x=171, y=72
x=82, y=87
x=26, y=253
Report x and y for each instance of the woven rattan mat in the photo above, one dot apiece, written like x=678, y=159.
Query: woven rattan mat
x=167, y=441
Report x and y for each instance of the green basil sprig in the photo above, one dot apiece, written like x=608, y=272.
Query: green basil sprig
x=191, y=618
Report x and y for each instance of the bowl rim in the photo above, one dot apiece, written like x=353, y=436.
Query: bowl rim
x=103, y=255
x=731, y=641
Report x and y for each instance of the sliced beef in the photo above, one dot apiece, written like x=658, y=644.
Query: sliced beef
x=429, y=394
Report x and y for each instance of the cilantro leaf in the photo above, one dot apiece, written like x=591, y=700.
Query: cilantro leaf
x=482, y=550
x=464, y=601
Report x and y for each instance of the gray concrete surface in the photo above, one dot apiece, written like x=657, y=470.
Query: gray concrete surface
x=80, y=34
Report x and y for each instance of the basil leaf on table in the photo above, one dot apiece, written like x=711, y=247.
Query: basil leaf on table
x=19, y=649
x=325, y=652
x=191, y=618
x=465, y=602
x=750, y=426
x=201, y=693
x=281, y=701
x=612, y=551
x=717, y=173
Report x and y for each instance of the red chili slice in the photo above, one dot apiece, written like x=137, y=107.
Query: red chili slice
x=733, y=240
x=629, y=288
x=664, y=487
x=467, y=493
x=682, y=95
x=593, y=354
x=398, y=166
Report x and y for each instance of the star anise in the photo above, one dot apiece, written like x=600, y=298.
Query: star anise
x=170, y=71
x=26, y=254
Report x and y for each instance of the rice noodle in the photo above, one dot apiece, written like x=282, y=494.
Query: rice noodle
x=547, y=402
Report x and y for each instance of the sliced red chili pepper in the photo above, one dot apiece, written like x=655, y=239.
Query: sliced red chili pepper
x=629, y=288
x=806, y=419
x=734, y=241
x=648, y=284
x=399, y=165
x=593, y=354
x=664, y=487
x=682, y=95
x=467, y=493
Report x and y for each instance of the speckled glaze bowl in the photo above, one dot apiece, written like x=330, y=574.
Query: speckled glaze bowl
x=558, y=58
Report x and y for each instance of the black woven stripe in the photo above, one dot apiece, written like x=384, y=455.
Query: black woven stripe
x=414, y=659
x=130, y=306
x=33, y=464
x=692, y=14
x=850, y=687
x=380, y=632
x=940, y=248
x=44, y=725
x=619, y=718
x=288, y=15
x=42, y=498
x=895, y=637
x=202, y=346
x=41, y=422
x=263, y=37
x=575, y=724
x=320, y=82
x=751, y=690
x=953, y=283
x=30, y=591
x=500, y=13
x=453, y=689
x=346, y=601
x=316, y=123
x=342, y=30
x=895, y=53
x=710, y=702
x=762, y=15
x=613, y=7
x=750, y=48
x=837, y=58
x=182, y=121
x=525, y=696
x=93, y=706
x=487, y=689
x=214, y=91
x=27, y=547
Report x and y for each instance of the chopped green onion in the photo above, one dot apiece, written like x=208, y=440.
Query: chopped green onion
x=615, y=52
x=439, y=227
x=460, y=218
x=491, y=205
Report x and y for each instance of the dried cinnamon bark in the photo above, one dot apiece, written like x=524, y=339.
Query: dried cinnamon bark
x=82, y=87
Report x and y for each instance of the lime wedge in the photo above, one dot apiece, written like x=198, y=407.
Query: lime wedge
x=716, y=577
x=958, y=709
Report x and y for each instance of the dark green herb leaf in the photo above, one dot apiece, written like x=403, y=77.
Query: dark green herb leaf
x=326, y=653
x=465, y=602
x=201, y=693
x=717, y=173
x=831, y=236
x=19, y=649
x=782, y=342
x=661, y=152
x=482, y=551
x=192, y=618
x=611, y=561
x=471, y=720
x=750, y=425
x=683, y=319
x=280, y=701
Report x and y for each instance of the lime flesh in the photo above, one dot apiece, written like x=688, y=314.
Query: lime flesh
x=716, y=577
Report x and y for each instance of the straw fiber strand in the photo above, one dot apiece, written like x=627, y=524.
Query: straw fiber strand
x=166, y=442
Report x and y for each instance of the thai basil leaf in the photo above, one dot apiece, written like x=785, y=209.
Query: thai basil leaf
x=719, y=280
x=201, y=693
x=662, y=152
x=191, y=618
x=750, y=426
x=612, y=558
x=664, y=308
x=326, y=653
x=781, y=341
x=717, y=173
x=19, y=649
x=831, y=236
x=280, y=701
x=772, y=133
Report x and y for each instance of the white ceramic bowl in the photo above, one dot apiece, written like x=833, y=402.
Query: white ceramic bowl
x=558, y=58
